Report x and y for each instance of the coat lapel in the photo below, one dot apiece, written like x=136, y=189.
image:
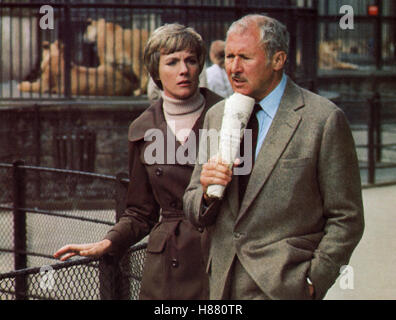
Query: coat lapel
x=280, y=133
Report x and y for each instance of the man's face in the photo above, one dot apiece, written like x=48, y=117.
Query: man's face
x=249, y=70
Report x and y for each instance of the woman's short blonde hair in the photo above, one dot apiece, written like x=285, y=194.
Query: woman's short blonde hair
x=168, y=39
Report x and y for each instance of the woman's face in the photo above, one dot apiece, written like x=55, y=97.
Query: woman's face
x=179, y=74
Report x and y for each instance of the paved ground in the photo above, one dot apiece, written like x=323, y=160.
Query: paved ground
x=374, y=260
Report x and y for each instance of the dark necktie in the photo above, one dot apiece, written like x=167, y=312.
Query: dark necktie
x=254, y=126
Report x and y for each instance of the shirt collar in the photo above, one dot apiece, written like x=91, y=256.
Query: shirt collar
x=271, y=102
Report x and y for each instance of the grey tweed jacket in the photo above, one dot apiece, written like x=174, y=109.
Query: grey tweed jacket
x=302, y=213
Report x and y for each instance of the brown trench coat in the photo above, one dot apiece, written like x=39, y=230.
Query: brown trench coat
x=174, y=266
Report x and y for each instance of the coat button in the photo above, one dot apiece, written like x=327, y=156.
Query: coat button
x=173, y=204
x=237, y=235
x=158, y=172
x=200, y=229
x=175, y=263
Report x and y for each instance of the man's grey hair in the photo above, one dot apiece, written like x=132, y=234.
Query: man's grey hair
x=274, y=35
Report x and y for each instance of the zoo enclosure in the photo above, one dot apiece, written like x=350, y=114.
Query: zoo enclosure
x=42, y=210
x=371, y=42
x=82, y=68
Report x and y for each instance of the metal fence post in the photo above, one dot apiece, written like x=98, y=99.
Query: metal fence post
x=378, y=36
x=121, y=193
x=114, y=283
x=67, y=49
x=38, y=145
x=108, y=278
x=20, y=258
x=371, y=140
x=378, y=125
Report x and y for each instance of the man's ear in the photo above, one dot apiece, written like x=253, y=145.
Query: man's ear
x=279, y=60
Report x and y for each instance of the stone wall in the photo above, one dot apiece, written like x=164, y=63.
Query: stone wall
x=27, y=132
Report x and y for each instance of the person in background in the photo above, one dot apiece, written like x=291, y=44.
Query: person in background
x=285, y=230
x=174, y=266
x=216, y=75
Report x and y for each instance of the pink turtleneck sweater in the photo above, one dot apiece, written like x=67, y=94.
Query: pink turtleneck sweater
x=181, y=115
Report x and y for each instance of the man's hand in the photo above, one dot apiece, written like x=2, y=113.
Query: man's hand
x=215, y=171
x=311, y=290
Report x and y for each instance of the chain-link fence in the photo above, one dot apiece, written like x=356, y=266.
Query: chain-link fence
x=79, y=279
x=42, y=209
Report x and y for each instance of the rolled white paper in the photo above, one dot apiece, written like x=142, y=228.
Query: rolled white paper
x=237, y=111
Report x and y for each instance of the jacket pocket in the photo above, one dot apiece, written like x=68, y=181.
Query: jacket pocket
x=308, y=242
x=157, y=242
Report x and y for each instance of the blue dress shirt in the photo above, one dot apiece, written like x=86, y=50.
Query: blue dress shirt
x=269, y=105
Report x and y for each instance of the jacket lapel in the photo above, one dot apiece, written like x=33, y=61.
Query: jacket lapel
x=231, y=192
x=210, y=100
x=233, y=196
x=280, y=133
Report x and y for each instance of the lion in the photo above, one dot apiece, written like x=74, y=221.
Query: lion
x=120, y=48
x=328, y=56
x=101, y=81
x=42, y=84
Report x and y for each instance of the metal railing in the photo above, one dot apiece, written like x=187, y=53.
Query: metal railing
x=45, y=208
x=78, y=279
x=373, y=121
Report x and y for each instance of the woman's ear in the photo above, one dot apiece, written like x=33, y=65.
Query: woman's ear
x=279, y=60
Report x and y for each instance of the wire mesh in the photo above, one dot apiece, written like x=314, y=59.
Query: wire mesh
x=60, y=207
x=64, y=208
x=6, y=220
x=75, y=280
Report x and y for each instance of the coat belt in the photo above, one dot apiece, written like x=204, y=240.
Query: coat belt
x=173, y=214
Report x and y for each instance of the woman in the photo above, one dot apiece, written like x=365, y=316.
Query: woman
x=174, y=268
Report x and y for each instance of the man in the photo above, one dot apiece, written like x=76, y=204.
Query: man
x=301, y=215
x=215, y=74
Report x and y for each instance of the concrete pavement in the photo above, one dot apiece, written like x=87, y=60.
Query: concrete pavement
x=372, y=271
